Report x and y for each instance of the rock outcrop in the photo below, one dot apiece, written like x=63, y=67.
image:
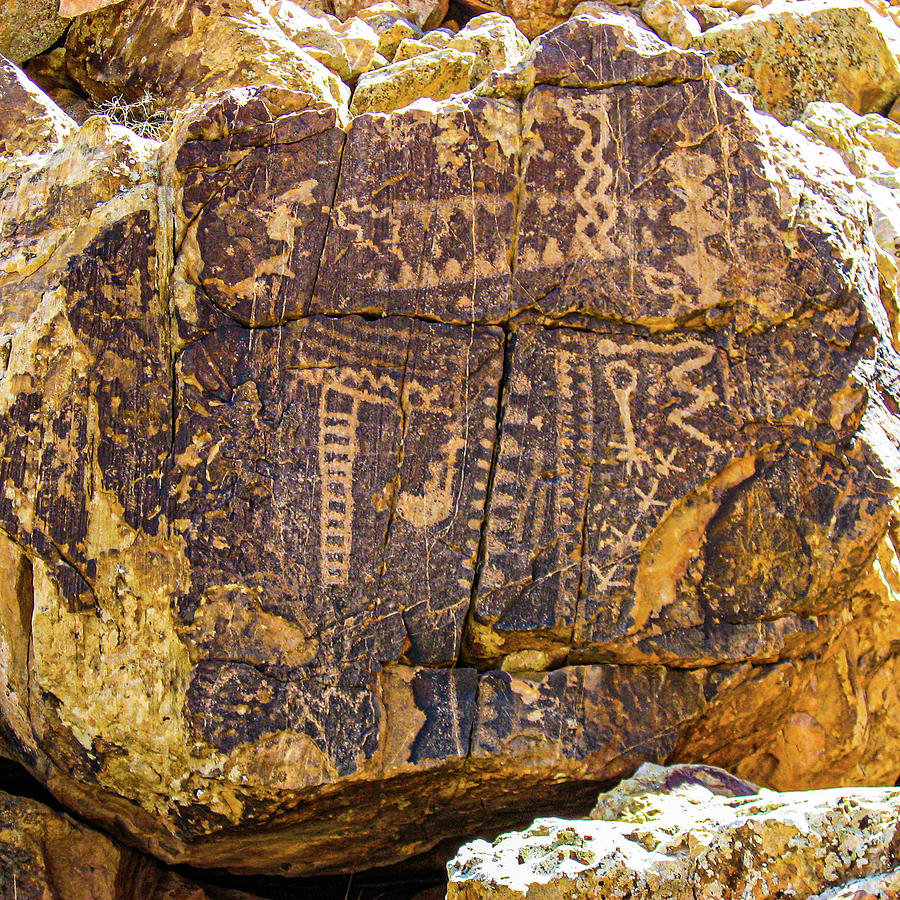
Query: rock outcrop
x=407, y=467
x=693, y=832
x=45, y=855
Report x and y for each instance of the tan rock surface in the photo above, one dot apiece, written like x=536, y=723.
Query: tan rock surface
x=788, y=55
x=209, y=47
x=689, y=832
x=428, y=469
x=426, y=14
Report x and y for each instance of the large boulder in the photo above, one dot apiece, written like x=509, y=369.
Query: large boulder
x=28, y=27
x=691, y=832
x=791, y=54
x=209, y=47
x=428, y=469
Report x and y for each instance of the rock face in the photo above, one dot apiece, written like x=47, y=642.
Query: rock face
x=46, y=856
x=692, y=831
x=431, y=463
x=28, y=27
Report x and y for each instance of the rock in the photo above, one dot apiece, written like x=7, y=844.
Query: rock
x=209, y=47
x=709, y=16
x=692, y=832
x=433, y=469
x=425, y=14
x=48, y=71
x=29, y=120
x=29, y=27
x=671, y=21
x=495, y=41
x=792, y=54
x=45, y=854
x=437, y=75
x=71, y=8
x=347, y=48
x=387, y=21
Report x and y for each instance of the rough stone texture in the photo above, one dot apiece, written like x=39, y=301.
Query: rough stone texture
x=71, y=8
x=45, y=855
x=29, y=27
x=437, y=75
x=453, y=461
x=29, y=120
x=426, y=14
x=209, y=47
x=691, y=831
x=791, y=54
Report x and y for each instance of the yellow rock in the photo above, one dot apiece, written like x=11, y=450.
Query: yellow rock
x=671, y=21
x=28, y=27
x=789, y=55
x=437, y=75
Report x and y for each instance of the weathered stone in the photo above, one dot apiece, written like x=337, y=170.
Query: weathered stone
x=48, y=71
x=209, y=47
x=392, y=28
x=495, y=41
x=708, y=16
x=691, y=831
x=29, y=120
x=789, y=55
x=45, y=854
x=435, y=75
x=71, y=8
x=425, y=14
x=428, y=470
x=29, y=27
x=671, y=21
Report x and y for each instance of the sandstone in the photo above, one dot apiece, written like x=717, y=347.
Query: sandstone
x=29, y=27
x=436, y=75
x=791, y=54
x=409, y=48
x=432, y=467
x=671, y=21
x=29, y=120
x=691, y=831
x=209, y=47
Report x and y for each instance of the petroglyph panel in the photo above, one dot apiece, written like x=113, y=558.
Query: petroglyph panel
x=332, y=473
x=651, y=203
x=423, y=220
x=258, y=204
x=616, y=451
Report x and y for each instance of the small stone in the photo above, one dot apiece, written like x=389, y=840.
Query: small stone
x=387, y=21
x=671, y=21
x=709, y=16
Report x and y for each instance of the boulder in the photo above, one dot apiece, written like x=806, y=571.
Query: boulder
x=434, y=469
x=425, y=14
x=29, y=27
x=788, y=55
x=210, y=47
x=437, y=75
x=671, y=21
x=691, y=831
